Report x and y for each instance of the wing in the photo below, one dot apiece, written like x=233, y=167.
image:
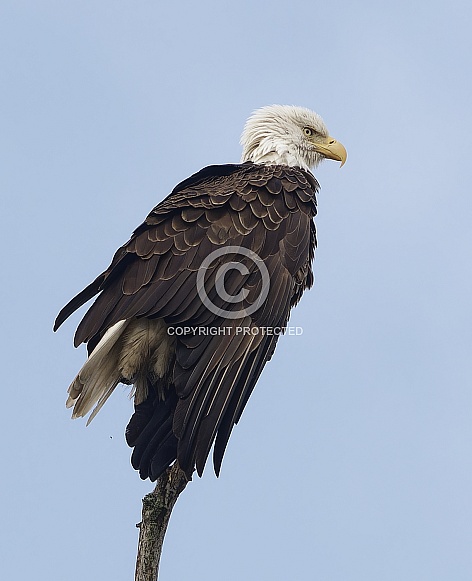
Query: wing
x=259, y=219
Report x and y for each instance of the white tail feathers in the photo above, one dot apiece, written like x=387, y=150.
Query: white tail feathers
x=130, y=350
x=99, y=375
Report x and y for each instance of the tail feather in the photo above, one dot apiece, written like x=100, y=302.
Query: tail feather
x=99, y=376
x=138, y=352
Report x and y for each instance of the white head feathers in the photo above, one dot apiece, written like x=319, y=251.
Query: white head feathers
x=286, y=135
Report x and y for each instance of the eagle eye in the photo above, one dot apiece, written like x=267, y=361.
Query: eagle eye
x=308, y=131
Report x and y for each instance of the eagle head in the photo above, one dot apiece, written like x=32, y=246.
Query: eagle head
x=289, y=135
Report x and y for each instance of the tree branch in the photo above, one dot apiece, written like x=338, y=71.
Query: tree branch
x=157, y=508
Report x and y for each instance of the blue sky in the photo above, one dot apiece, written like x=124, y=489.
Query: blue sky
x=352, y=461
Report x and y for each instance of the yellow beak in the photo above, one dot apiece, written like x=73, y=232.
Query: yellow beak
x=332, y=149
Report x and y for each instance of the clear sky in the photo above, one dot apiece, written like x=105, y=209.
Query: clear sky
x=352, y=461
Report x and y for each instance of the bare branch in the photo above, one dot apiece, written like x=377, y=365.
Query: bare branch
x=157, y=508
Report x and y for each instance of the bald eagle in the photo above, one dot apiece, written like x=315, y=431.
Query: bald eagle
x=188, y=310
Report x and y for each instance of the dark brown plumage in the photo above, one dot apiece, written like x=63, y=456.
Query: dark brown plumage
x=267, y=209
